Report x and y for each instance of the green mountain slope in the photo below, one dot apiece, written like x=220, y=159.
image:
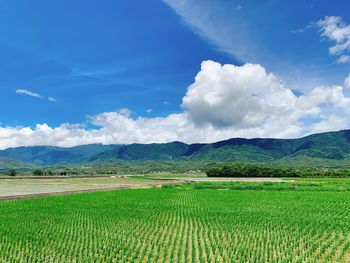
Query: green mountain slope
x=47, y=155
x=154, y=151
x=331, y=146
x=6, y=164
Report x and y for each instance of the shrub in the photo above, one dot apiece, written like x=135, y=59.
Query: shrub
x=12, y=172
x=38, y=172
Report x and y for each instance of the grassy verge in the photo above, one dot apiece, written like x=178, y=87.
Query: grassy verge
x=299, y=184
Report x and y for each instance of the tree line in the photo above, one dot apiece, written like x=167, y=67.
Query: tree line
x=255, y=170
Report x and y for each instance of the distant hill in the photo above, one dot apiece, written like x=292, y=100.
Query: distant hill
x=143, y=152
x=48, y=155
x=6, y=164
x=330, y=146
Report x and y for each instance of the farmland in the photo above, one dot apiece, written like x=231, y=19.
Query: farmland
x=191, y=222
x=29, y=186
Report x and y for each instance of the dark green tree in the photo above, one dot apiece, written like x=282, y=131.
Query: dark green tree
x=12, y=172
x=38, y=172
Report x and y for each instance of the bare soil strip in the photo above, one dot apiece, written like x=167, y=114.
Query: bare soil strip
x=28, y=188
x=120, y=187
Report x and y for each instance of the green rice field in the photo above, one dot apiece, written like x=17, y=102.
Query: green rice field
x=181, y=224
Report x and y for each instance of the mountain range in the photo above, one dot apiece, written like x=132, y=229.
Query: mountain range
x=327, y=146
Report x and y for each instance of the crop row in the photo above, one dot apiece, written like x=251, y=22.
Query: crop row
x=172, y=225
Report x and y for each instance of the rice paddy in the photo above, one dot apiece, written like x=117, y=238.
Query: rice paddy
x=178, y=225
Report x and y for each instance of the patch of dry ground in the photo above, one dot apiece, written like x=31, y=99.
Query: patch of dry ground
x=30, y=187
x=13, y=188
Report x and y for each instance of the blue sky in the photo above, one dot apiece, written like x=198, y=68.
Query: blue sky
x=94, y=57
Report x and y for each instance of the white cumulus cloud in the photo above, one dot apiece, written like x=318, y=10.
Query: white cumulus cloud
x=347, y=82
x=239, y=96
x=224, y=101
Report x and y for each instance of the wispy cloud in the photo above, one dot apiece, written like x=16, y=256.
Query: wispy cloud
x=238, y=7
x=343, y=59
x=215, y=23
x=303, y=29
x=335, y=29
x=29, y=93
x=34, y=94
